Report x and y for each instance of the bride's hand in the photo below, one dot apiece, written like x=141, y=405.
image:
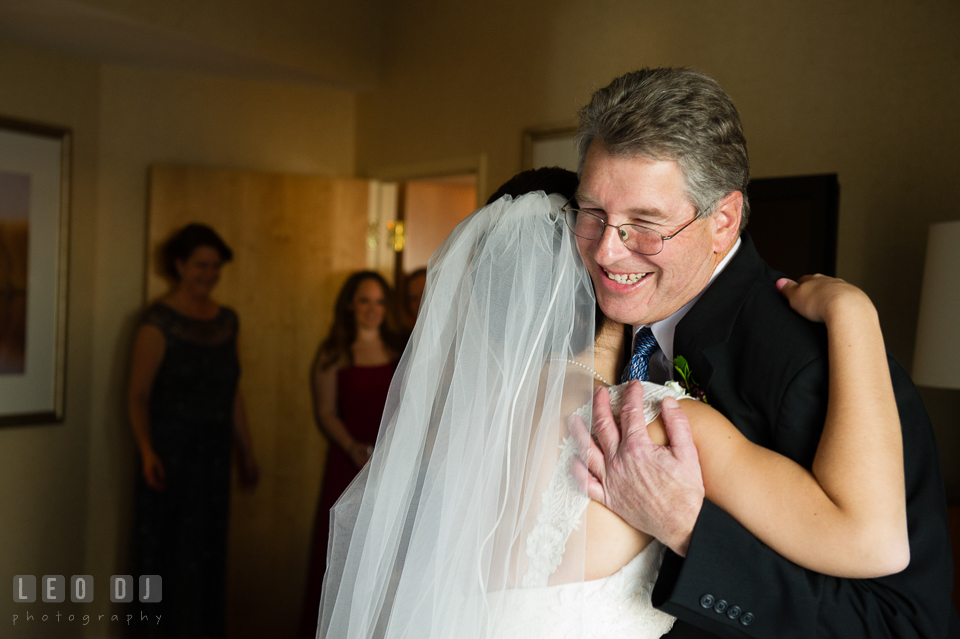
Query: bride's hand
x=818, y=297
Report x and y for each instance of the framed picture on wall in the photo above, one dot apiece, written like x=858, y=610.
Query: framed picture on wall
x=34, y=219
x=550, y=146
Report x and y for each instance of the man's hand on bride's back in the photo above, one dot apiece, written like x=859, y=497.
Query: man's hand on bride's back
x=656, y=489
x=820, y=298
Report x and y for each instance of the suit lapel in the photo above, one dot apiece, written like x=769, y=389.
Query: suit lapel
x=709, y=323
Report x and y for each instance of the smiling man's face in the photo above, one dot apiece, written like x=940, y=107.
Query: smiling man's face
x=642, y=289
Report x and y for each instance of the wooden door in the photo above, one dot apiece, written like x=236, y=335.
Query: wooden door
x=432, y=208
x=295, y=240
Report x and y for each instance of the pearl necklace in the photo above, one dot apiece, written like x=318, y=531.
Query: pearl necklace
x=587, y=368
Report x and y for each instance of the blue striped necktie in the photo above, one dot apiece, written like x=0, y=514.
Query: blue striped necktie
x=643, y=346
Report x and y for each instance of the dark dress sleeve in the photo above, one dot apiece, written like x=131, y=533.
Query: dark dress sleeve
x=157, y=315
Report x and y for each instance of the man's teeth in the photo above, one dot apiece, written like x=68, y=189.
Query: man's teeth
x=626, y=278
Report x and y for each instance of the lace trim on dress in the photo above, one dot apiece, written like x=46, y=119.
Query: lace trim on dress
x=561, y=506
x=204, y=332
x=563, y=502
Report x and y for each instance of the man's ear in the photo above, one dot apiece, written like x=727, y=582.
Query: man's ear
x=726, y=222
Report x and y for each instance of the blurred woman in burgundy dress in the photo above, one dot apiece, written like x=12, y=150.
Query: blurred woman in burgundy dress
x=350, y=378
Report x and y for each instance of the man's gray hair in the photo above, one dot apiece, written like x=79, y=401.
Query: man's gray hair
x=672, y=114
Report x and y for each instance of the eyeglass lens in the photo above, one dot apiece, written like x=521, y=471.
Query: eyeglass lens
x=635, y=238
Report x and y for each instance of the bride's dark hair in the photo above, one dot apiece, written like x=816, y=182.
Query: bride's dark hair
x=551, y=179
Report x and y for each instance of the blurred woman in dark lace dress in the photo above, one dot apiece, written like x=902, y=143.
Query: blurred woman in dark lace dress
x=187, y=415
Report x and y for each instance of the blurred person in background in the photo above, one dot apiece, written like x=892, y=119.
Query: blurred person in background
x=413, y=285
x=188, y=415
x=350, y=379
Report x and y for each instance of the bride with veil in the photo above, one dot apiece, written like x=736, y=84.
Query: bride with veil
x=467, y=521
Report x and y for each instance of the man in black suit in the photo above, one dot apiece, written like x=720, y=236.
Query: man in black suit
x=663, y=150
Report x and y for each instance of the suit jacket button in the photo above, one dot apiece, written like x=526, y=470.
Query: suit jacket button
x=746, y=618
x=707, y=601
x=720, y=606
x=733, y=612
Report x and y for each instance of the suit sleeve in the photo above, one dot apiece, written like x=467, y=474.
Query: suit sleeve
x=732, y=585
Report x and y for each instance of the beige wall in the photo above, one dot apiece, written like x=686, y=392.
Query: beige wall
x=329, y=40
x=43, y=469
x=66, y=489
x=866, y=90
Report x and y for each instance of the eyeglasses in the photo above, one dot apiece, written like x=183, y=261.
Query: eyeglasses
x=638, y=239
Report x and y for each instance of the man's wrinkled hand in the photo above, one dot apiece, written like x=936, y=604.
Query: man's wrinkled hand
x=656, y=489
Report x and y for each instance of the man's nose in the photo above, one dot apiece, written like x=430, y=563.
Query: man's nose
x=610, y=247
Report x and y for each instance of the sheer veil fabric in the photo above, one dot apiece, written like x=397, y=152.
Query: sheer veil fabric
x=437, y=523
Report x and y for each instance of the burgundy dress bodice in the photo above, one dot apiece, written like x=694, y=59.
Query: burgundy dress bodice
x=361, y=395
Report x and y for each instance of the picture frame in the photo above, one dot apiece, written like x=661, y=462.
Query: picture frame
x=550, y=145
x=34, y=227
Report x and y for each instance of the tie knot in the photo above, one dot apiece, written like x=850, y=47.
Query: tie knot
x=644, y=344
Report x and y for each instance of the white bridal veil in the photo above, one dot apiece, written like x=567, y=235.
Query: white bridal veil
x=437, y=523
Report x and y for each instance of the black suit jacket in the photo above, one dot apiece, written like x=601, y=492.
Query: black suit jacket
x=765, y=368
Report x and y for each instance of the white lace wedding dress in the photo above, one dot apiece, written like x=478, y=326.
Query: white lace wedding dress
x=614, y=607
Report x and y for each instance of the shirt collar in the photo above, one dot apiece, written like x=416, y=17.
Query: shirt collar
x=665, y=329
